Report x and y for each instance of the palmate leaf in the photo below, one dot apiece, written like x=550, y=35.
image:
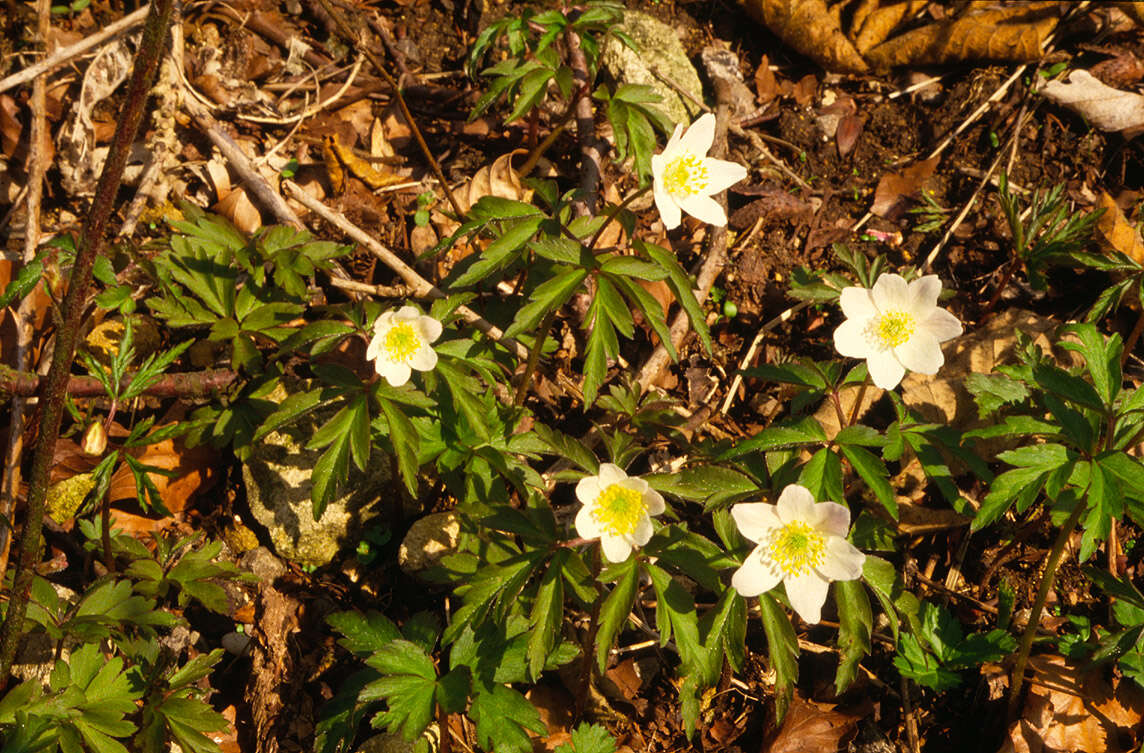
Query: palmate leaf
x=589, y=738
x=502, y=716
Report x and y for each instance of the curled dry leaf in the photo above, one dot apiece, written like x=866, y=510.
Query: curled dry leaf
x=232, y=203
x=1117, y=232
x=810, y=726
x=895, y=190
x=1104, y=107
x=809, y=27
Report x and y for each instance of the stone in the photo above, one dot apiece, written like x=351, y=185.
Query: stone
x=428, y=540
x=278, y=482
x=658, y=47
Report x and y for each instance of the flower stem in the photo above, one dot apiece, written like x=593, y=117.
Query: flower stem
x=534, y=357
x=857, y=407
x=1133, y=337
x=1038, y=604
x=615, y=213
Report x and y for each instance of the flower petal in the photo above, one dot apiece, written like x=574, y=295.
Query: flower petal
x=807, y=594
x=755, y=576
x=586, y=525
x=383, y=322
x=885, y=369
x=672, y=144
x=588, y=490
x=373, y=350
x=653, y=500
x=395, y=373
x=610, y=473
x=796, y=503
x=642, y=533
x=857, y=303
x=616, y=548
x=704, y=208
x=850, y=339
x=891, y=293
x=755, y=519
x=942, y=325
x=669, y=211
x=832, y=518
x=923, y=294
x=430, y=328
x=722, y=174
x=423, y=359
x=407, y=313
x=842, y=561
x=700, y=136
x=921, y=353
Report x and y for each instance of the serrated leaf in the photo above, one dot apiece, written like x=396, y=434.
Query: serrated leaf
x=615, y=610
x=503, y=716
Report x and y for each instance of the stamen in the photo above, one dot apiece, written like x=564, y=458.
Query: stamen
x=401, y=342
x=619, y=509
x=685, y=176
x=796, y=548
x=891, y=329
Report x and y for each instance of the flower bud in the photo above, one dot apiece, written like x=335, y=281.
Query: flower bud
x=95, y=439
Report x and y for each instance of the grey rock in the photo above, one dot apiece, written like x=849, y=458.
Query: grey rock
x=659, y=48
x=278, y=484
x=428, y=540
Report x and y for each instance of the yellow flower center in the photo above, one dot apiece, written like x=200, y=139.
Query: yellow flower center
x=401, y=342
x=684, y=176
x=891, y=329
x=796, y=548
x=619, y=509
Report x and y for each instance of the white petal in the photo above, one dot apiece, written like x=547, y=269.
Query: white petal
x=653, y=500
x=669, y=211
x=857, y=303
x=588, y=490
x=373, y=350
x=885, y=369
x=586, y=525
x=610, y=473
x=408, y=313
x=850, y=339
x=722, y=174
x=383, y=322
x=755, y=519
x=891, y=293
x=832, y=518
x=616, y=549
x=843, y=561
x=942, y=325
x=921, y=353
x=923, y=294
x=796, y=503
x=755, y=576
x=704, y=208
x=700, y=136
x=807, y=594
x=430, y=328
x=395, y=373
x=642, y=533
x=423, y=359
x=672, y=144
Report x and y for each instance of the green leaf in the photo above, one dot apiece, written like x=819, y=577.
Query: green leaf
x=502, y=716
x=1067, y=386
x=548, y=296
x=615, y=610
x=712, y=485
x=856, y=626
x=547, y=615
x=822, y=475
x=331, y=469
x=681, y=285
x=501, y=252
x=873, y=472
x=365, y=633
x=1102, y=357
x=407, y=685
x=26, y=279
x=800, y=432
x=406, y=443
x=589, y=738
x=1004, y=492
x=991, y=391
x=782, y=648
x=675, y=614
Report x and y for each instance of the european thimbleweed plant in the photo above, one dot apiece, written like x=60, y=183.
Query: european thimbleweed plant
x=685, y=178
x=617, y=509
x=401, y=343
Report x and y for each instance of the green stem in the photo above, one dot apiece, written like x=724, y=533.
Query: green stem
x=1133, y=336
x=858, y=402
x=534, y=357
x=615, y=213
x=1038, y=604
x=54, y=387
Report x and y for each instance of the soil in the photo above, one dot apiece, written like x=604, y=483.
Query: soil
x=795, y=230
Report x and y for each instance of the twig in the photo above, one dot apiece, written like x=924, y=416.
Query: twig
x=421, y=288
x=24, y=313
x=53, y=392
x=194, y=384
x=591, y=155
x=776, y=321
x=381, y=291
x=52, y=62
x=995, y=97
x=313, y=109
x=435, y=166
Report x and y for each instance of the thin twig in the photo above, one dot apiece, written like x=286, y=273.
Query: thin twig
x=381, y=291
x=421, y=288
x=776, y=321
x=61, y=57
x=591, y=151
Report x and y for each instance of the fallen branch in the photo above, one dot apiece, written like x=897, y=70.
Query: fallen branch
x=189, y=384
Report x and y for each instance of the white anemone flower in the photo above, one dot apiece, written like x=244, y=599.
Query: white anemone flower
x=617, y=510
x=801, y=544
x=684, y=177
x=895, y=326
x=401, y=343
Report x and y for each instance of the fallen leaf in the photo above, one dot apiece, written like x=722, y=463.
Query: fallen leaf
x=896, y=190
x=1123, y=69
x=1115, y=230
x=876, y=25
x=807, y=26
x=810, y=727
x=766, y=86
x=849, y=129
x=1075, y=711
x=1104, y=107
x=10, y=127
x=191, y=470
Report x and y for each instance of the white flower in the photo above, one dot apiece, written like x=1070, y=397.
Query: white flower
x=401, y=343
x=684, y=178
x=617, y=510
x=801, y=543
x=895, y=326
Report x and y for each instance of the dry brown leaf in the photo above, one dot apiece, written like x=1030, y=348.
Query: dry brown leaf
x=1013, y=34
x=1123, y=69
x=194, y=470
x=895, y=190
x=1069, y=710
x=766, y=85
x=1104, y=107
x=807, y=26
x=849, y=129
x=1116, y=231
x=1134, y=10
x=10, y=128
x=810, y=727
x=877, y=26
x=238, y=208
